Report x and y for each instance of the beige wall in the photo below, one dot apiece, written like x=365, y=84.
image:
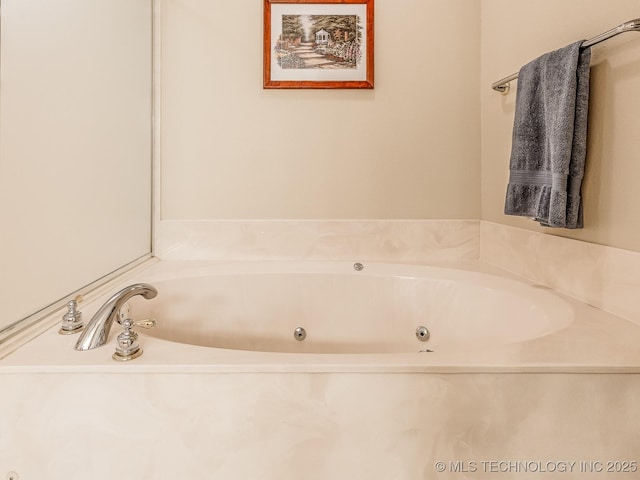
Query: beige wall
x=407, y=149
x=517, y=31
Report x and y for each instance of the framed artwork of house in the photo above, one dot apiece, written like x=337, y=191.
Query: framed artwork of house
x=318, y=44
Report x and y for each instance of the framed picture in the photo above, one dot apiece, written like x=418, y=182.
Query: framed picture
x=318, y=43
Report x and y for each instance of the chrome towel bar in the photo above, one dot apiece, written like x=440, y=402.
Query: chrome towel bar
x=502, y=85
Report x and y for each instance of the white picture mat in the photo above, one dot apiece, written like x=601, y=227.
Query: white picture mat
x=317, y=74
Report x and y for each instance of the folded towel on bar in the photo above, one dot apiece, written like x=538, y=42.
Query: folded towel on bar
x=549, y=143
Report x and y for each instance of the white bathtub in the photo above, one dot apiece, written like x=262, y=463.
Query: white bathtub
x=346, y=308
x=241, y=317
x=518, y=377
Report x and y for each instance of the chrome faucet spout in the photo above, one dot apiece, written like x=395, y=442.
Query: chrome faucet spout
x=97, y=330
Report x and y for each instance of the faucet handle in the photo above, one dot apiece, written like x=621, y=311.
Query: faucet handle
x=72, y=319
x=127, y=347
x=146, y=323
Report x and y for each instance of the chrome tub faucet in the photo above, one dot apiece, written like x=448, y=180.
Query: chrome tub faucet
x=97, y=330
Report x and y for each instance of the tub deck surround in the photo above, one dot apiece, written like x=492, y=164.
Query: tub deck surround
x=314, y=426
x=606, y=277
x=186, y=411
x=587, y=340
x=415, y=241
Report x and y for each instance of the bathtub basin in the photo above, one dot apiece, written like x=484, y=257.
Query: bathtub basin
x=259, y=306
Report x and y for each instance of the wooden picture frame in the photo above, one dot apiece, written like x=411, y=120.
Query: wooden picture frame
x=318, y=44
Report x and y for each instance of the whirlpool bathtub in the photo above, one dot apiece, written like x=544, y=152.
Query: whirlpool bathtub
x=513, y=379
x=342, y=308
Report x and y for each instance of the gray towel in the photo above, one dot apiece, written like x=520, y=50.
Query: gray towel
x=548, y=150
